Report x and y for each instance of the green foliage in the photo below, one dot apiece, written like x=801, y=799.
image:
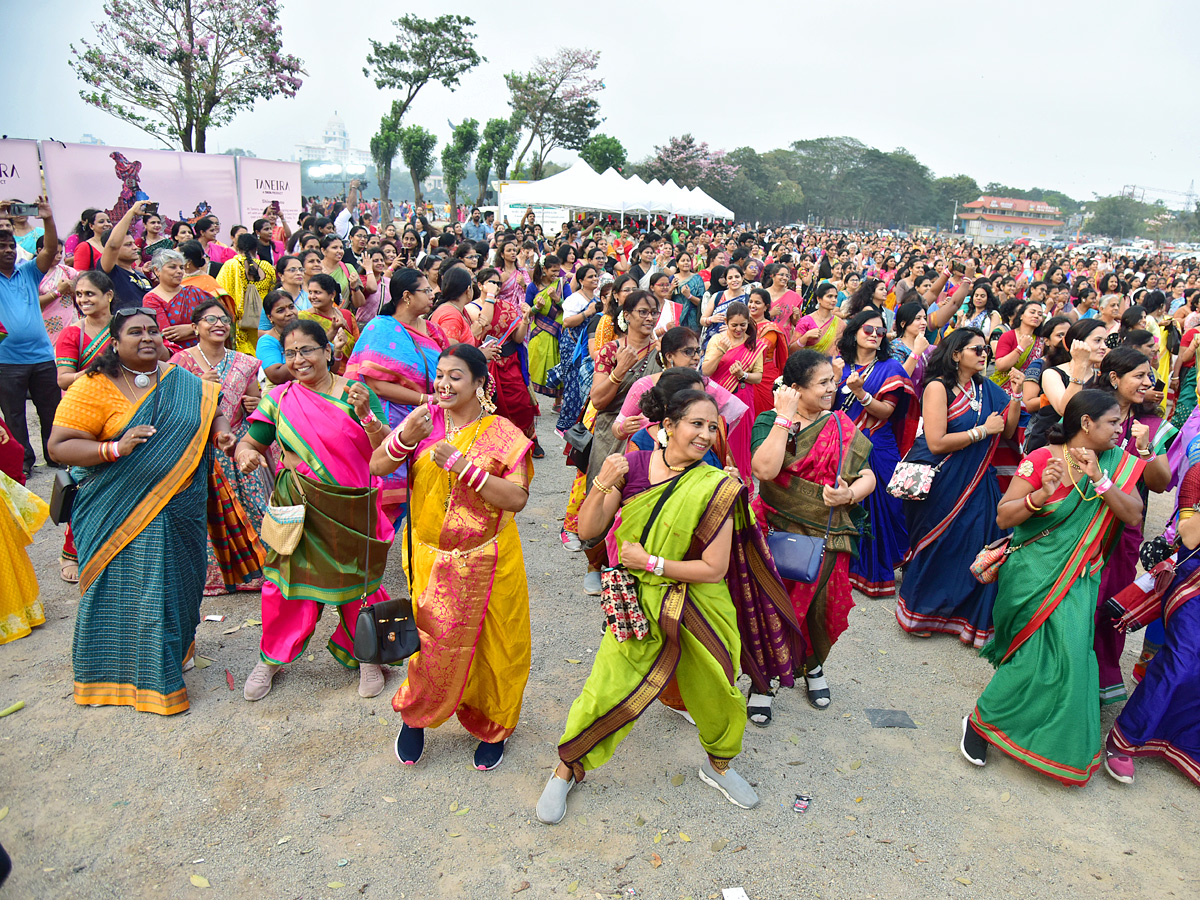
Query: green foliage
x=440, y=50
x=602, y=152
x=416, y=148
x=384, y=146
x=1119, y=217
x=456, y=155
x=763, y=188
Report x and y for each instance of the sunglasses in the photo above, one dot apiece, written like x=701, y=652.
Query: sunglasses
x=977, y=349
x=134, y=311
x=874, y=330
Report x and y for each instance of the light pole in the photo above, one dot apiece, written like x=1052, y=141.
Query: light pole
x=954, y=218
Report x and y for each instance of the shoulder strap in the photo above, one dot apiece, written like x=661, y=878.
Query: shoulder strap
x=837, y=475
x=663, y=499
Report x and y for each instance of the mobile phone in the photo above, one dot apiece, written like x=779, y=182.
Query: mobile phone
x=22, y=209
x=150, y=208
x=275, y=206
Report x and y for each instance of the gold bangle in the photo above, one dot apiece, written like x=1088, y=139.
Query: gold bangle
x=612, y=377
x=1186, y=513
x=602, y=488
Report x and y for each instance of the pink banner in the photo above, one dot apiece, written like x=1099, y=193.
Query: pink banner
x=186, y=186
x=262, y=181
x=20, y=174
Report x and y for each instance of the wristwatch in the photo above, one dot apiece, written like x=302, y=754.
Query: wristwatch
x=658, y=565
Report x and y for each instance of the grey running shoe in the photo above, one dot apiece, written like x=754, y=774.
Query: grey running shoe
x=731, y=784
x=552, y=805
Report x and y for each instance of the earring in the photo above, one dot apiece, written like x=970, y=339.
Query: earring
x=479, y=394
x=1087, y=431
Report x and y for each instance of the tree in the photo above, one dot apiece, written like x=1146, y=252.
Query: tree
x=507, y=147
x=424, y=51
x=385, y=144
x=690, y=163
x=495, y=134
x=416, y=148
x=1118, y=217
x=826, y=169
x=176, y=68
x=238, y=151
x=761, y=190
x=455, y=157
x=603, y=152
x=947, y=190
x=568, y=126
x=551, y=97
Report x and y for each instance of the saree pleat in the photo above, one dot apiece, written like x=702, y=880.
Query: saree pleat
x=1042, y=705
x=472, y=597
x=140, y=528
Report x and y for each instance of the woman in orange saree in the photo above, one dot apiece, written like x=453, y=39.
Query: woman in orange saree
x=734, y=359
x=775, y=349
x=470, y=472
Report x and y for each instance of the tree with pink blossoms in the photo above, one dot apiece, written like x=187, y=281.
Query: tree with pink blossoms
x=176, y=68
x=690, y=163
x=555, y=101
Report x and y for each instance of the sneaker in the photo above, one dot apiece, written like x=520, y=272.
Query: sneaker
x=258, y=685
x=591, y=583
x=570, y=541
x=410, y=745
x=370, y=680
x=552, y=805
x=731, y=784
x=488, y=756
x=538, y=452
x=973, y=746
x=1117, y=764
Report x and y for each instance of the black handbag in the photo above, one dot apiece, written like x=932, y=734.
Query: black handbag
x=798, y=557
x=579, y=446
x=62, y=496
x=386, y=632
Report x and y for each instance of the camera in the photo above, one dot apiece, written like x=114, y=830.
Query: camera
x=22, y=209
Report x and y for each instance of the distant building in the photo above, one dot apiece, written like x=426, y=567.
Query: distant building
x=333, y=146
x=990, y=220
x=92, y=140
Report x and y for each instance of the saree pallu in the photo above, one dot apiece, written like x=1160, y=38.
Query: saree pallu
x=343, y=549
x=508, y=371
x=472, y=598
x=775, y=354
x=947, y=528
x=690, y=315
x=693, y=632
x=1186, y=401
x=139, y=526
x=1030, y=353
x=1122, y=569
x=739, y=435
x=350, y=328
x=1042, y=705
x=720, y=305
x=1162, y=718
x=572, y=360
x=826, y=339
x=250, y=492
x=792, y=502
x=881, y=550
x=22, y=513
x=69, y=352
x=389, y=351
x=544, y=339
x=604, y=442
x=177, y=310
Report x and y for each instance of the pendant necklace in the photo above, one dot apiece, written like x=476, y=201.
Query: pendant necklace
x=204, y=356
x=142, y=379
x=451, y=433
x=669, y=466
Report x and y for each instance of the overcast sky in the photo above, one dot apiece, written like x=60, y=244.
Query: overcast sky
x=1083, y=97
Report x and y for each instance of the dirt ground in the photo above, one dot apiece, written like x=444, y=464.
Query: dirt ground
x=300, y=795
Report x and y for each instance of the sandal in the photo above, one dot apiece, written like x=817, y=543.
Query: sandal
x=69, y=569
x=758, y=709
x=818, y=688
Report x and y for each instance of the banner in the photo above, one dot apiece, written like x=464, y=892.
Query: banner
x=20, y=173
x=186, y=186
x=261, y=181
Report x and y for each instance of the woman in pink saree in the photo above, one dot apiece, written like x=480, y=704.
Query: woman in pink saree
x=734, y=360
x=326, y=428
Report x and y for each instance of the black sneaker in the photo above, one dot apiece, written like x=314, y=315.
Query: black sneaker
x=410, y=745
x=538, y=452
x=973, y=746
x=488, y=756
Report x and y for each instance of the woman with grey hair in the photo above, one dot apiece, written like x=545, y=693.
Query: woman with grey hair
x=173, y=301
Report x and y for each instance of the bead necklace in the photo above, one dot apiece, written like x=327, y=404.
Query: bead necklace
x=204, y=356
x=669, y=466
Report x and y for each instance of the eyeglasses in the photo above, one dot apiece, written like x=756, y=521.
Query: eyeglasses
x=213, y=320
x=302, y=352
x=977, y=349
x=424, y=290
x=692, y=352
x=874, y=330
x=646, y=313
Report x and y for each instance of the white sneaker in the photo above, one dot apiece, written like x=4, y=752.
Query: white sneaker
x=552, y=805
x=258, y=685
x=592, y=584
x=370, y=680
x=570, y=541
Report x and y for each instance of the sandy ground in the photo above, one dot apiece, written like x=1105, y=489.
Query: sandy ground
x=300, y=795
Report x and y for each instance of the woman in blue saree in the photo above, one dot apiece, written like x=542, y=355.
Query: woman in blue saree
x=140, y=435
x=877, y=394
x=965, y=414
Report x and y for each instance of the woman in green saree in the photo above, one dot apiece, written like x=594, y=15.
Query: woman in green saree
x=1067, y=503
x=675, y=527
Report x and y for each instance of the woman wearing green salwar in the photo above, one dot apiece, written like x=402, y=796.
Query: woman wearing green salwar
x=674, y=535
x=1066, y=506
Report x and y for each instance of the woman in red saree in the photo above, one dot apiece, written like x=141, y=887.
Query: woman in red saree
x=775, y=349
x=734, y=359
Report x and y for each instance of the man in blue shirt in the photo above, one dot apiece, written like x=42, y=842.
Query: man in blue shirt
x=474, y=229
x=26, y=355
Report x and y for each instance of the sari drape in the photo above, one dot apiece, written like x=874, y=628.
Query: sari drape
x=792, y=501
x=237, y=372
x=342, y=552
x=545, y=335
x=178, y=310
x=775, y=354
x=1042, y=705
x=693, y=632
x=826, y=339
x=604, y=442
x=751, y=360
x=139, y=522
x=22, y=513
x=472, y=598
x=390, y=351
x=720, y=306
x=947, y=528
x=882, y=549
x=69, y=352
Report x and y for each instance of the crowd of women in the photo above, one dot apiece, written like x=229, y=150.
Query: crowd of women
x=759, y=423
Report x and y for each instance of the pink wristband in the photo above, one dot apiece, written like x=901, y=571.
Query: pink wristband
x=1103, y=484
x=454, y=457
x=650, y=564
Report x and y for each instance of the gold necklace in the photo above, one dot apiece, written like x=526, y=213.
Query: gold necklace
x=450, y=483
x=452, y=430
x=1071, y=464
x=669, y=466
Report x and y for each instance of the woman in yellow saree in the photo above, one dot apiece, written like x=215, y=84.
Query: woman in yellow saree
x=469, y=475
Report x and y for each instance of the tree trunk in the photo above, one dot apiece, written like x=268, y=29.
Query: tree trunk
x=453, y=205
x=417, y=198
x=384, y=175
x=521, y=156
x=482, y=188
x=201, y=135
